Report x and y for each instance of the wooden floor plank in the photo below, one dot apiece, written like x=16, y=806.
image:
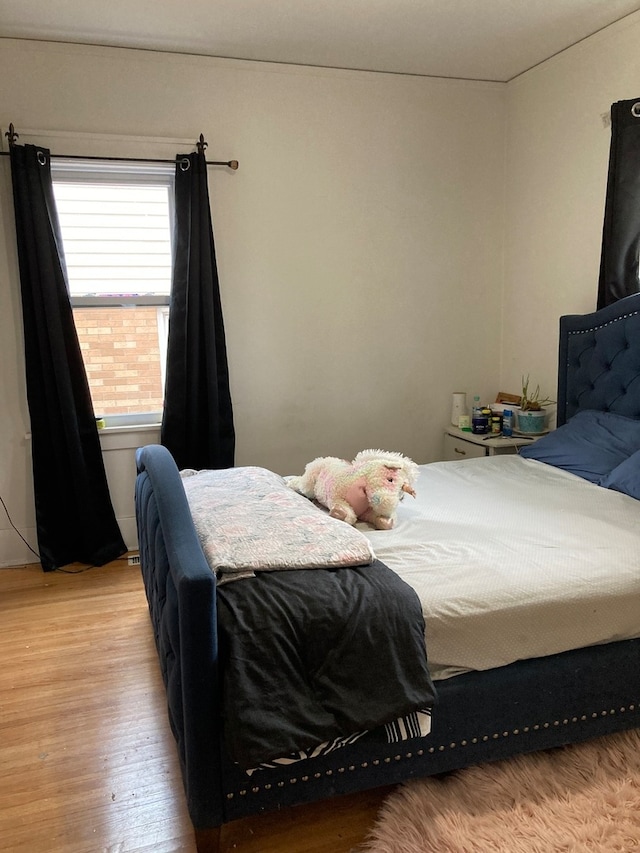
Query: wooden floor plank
x=88, y=763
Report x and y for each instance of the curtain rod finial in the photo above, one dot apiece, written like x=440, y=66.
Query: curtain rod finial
x=233, y=164
x=12, y=135
x=201, y=144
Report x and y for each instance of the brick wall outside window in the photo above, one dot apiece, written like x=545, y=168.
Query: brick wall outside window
x=122, y=358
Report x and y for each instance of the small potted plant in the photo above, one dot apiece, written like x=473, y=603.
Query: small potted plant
x=531, y=416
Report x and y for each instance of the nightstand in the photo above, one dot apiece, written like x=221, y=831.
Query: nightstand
x=459, y=444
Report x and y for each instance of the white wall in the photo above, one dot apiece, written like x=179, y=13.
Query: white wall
x=359, y=244
x=377, y=249
x=557, y=161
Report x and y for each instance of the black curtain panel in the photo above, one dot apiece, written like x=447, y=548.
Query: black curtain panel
x=621, y=229
x=197, y=422
x=75, y=520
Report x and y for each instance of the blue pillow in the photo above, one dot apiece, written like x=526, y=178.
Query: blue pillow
x=625, y=477
x=590, y=445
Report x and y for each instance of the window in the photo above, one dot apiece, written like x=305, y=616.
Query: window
x=116, y=223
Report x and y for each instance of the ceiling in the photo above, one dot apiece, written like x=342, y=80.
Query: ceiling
x=469, y=39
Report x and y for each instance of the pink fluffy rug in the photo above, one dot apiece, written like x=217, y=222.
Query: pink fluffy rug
x=578, y=799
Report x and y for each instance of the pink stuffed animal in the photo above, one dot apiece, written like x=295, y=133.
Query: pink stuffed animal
x=367, y=489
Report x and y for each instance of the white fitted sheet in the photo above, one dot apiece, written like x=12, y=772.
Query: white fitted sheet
x=514, y=559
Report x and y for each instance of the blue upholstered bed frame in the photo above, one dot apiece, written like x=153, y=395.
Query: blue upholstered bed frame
x=480, y=717
x=599, y=361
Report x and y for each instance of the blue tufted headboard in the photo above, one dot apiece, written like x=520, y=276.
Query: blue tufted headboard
x=599, y=361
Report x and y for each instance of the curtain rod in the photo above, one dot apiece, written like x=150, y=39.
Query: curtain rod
x=200, y=145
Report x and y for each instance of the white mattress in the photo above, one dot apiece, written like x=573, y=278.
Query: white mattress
x=513, y=559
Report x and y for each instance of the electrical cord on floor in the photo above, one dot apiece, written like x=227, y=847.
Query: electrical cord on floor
x=74, y=571
x=57, y=569
x=16, y=529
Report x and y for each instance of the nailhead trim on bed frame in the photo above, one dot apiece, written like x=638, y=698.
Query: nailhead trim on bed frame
x=604, y=391
x=420, y=752
x=603, y=325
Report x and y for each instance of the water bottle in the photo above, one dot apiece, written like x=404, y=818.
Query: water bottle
x=479, y=422
x=507, y=422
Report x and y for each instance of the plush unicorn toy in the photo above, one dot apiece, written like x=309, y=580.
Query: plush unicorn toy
x=367, y=489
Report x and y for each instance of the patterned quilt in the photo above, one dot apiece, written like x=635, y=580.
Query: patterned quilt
x=248, y=520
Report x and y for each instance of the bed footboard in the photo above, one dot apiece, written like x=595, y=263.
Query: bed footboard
x=181, y=591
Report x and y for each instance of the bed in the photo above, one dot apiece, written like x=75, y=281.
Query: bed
x=507, y=678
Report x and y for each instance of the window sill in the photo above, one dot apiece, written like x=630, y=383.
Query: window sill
x=108, y=430
x=125, y=437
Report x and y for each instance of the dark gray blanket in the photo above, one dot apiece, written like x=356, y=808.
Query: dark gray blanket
x=311, y=655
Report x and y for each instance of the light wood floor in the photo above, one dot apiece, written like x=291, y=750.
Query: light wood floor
x=87, y=760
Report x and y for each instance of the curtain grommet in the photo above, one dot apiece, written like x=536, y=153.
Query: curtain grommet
x=185, y=164
x=635, y=110
x=41, y=158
